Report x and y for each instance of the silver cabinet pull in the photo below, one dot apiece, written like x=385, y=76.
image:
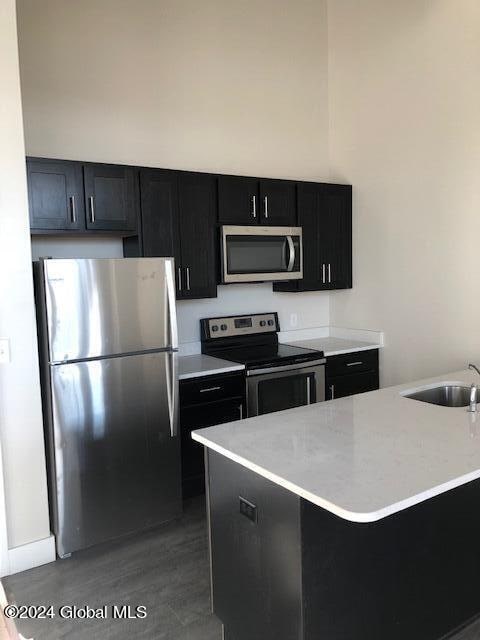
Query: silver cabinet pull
x=207, y=389
x=332, y=391
x=329, y=273
x=179, y=278
x=265, y=204
x=323, y=273
x=354, y=364
x=240, y=408
x=73, y=212
x=187, y=271
x=308, y=390
x=92, y=210
x=254, y=206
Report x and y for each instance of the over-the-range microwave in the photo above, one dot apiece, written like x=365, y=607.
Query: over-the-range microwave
x=259, y=254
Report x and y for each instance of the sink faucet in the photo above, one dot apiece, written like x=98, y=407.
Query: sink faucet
x=473, y=398
x=474, y=366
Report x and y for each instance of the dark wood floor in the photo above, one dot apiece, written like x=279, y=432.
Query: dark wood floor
x=166, y=570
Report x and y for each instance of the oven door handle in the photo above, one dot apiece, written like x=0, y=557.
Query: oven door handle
x=291, y=250
x=286, y=367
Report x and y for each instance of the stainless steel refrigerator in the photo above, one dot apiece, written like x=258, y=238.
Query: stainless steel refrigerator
x=108, y=343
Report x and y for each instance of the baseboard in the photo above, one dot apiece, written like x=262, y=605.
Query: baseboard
x=31, y=555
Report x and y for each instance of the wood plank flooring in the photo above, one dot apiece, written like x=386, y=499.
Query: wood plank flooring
x=165, y=570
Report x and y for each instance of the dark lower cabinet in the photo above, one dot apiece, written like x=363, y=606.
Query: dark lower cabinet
x=205, y=402
x=325, y=215
x=285, y=569
x=348, y=374
x=111, y=197
x=55, y=195
x=178, y=219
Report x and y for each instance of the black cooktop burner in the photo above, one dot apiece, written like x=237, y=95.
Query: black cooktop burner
x=251, y=340
x=274, y=355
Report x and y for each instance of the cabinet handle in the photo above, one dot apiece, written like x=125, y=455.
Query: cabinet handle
x=332, y=392
x=323, y=273
x=187, y=271
x=254, y=206
x=354, y=364
x=308, y=390
x=329, y=273
x=207, y=389
x=73, y=212
x=265, y=203
x=240, y=408
x=92, y=210
x=179, y=278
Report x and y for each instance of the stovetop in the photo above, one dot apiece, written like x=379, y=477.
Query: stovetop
x=251, y=340
x=263, y=355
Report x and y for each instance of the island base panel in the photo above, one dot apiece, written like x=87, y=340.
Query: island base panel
x=285, y=569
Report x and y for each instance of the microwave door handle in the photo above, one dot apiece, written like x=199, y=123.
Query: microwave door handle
x=291, y=248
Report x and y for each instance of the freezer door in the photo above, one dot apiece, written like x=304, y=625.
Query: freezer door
x=116, y=466
x=105, y=307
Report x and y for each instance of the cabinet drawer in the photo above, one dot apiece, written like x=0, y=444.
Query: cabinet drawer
x=350, y=363
x=211, y=388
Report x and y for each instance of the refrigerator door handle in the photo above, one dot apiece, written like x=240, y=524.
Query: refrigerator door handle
x=172, y=392
x=172, y=339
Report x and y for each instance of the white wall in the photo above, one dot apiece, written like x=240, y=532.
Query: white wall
x=21, y=428
x=237, y=87
x=218, y=86
x=310, y=309
x=404, y=96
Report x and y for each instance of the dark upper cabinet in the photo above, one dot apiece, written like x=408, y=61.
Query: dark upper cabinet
x=178, y=219
x=197, y=208
x=55, y=195
x=111, y=197
x=325, y=215
x=75, y=197
x=277, y=203
x=238, y=200
x=252, y=201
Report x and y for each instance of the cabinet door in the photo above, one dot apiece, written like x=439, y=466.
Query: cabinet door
x=336, y=227
x=198, y=417
x=159, y=206
x=197, y=229
x=55, y=195
x=278, y=203
x=339, y=387
x=238, y=200
x=110, y=197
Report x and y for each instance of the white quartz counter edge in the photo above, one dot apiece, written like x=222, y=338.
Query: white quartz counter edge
x=200, y=365
x=333, y=508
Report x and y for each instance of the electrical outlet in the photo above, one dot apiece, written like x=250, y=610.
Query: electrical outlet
x=4, y=350
x=248, y=509
x=293, y=319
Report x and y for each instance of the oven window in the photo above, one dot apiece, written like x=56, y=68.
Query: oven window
x=257, y=254
x=275, y=394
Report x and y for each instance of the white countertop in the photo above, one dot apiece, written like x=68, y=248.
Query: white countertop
x=336, y=346
x=200, y=365
x=363, y=457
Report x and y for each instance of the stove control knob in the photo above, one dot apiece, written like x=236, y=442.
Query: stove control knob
x=262, y=323
x=223, y=327
x=270, y=323
x=214, y=327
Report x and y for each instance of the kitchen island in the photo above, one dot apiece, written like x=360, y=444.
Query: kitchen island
x=352, y=519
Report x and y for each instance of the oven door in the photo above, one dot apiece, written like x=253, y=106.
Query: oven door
x=279, y=389
x=258, y=254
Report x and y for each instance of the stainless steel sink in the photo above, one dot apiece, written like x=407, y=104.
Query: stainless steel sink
x=447, y=395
